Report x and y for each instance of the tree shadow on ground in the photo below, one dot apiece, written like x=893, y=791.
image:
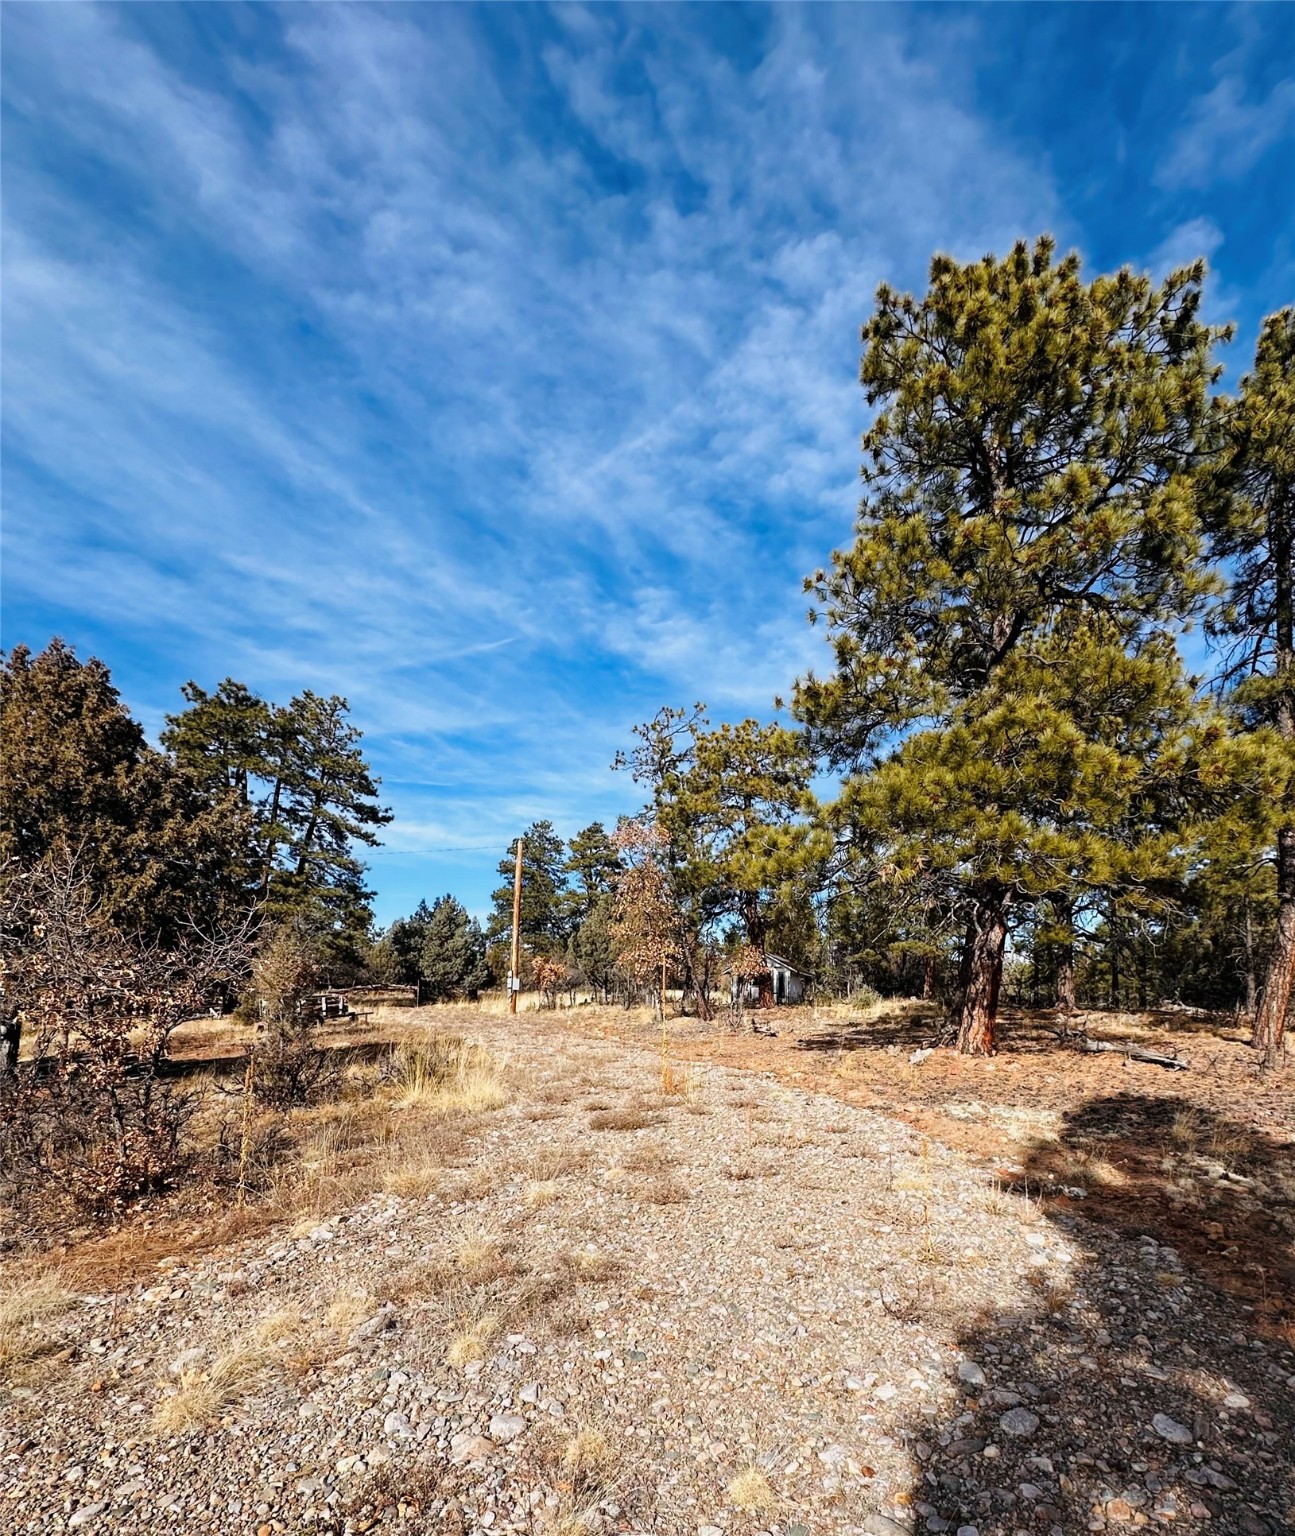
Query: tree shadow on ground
x=1019, y=1032
x=233, y=1061
x=1220, y=1192
x=909, y=1030
x=1115, y=1387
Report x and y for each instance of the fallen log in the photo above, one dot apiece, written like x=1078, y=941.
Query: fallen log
x=1135, y=1053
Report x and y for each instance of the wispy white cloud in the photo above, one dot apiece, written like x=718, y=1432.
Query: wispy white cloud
x=1227, y=130
x=494, y=367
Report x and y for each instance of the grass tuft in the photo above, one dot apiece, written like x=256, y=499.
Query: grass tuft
x=448, y=1075
x=27, y=1308
x=473, y=1342
x=620, y=1120
x=587, y=1457
x=750, y=1491
x=200, y=1395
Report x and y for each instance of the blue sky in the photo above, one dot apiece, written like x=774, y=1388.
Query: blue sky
x=497, y=367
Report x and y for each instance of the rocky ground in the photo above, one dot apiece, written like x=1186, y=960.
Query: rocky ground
x=729, y=1308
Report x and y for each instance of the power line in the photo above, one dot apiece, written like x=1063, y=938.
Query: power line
x=466, y=848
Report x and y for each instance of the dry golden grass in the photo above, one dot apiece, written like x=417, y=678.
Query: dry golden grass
x=587, y=1459
x=663, y=1191
x=448, y=1075
x=589, y=1264
x=28, y=1307
x=621, y=1120
x=750, y=1491
x=483, y=1260
x=1079, y=1165
x=651, y=1157
x=412, y=1172
x=995, y=1200
x=1055, y=1294
x=539, y=1192
x=347, y=1311
x=200, y=1395
x=473, y=1340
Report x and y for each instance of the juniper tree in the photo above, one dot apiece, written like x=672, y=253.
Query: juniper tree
x=1253, y=514
x=591, y=951
x=165, y=851
x=453, y=957
x=1031, y=465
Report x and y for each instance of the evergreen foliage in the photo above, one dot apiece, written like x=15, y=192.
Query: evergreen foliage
x=546, y=920
x=453, y=954
x=301, y=776
x=1029, y=515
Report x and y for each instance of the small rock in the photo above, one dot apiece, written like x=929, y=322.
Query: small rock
x=1252, y=1524
x=84, y=1515
x=382, y=1321
x=883, y=1525
x=885, y=1392
x=1118, y=1509
x=506, y=1427
x=971, y=1373
x=530, y=1393
x=470, y=1447
x=1171, y=1430
x=397, y=1426
x=971, y=1446
x=1019, y=1421
x=184, y=1360
x=1236, y=1400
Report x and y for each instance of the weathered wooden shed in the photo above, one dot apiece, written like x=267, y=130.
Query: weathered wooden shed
x=789, y=983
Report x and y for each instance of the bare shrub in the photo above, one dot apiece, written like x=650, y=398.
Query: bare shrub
x=91, y=1115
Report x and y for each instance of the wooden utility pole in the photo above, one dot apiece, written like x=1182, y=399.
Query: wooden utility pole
x=515, y=978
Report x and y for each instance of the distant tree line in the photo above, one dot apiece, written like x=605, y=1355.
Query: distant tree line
x=566, y=913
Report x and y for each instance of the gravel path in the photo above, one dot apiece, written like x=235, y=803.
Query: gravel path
x=739, y=1309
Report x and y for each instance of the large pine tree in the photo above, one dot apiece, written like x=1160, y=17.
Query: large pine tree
x=1253, y=511
x=1029, y=472
x=300, y=772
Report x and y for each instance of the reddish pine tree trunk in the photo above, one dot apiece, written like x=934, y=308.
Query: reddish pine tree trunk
x=1065, y=961
x=928, y=977
x=1270, y=1017
x=1066, y=980
x=984, y=975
